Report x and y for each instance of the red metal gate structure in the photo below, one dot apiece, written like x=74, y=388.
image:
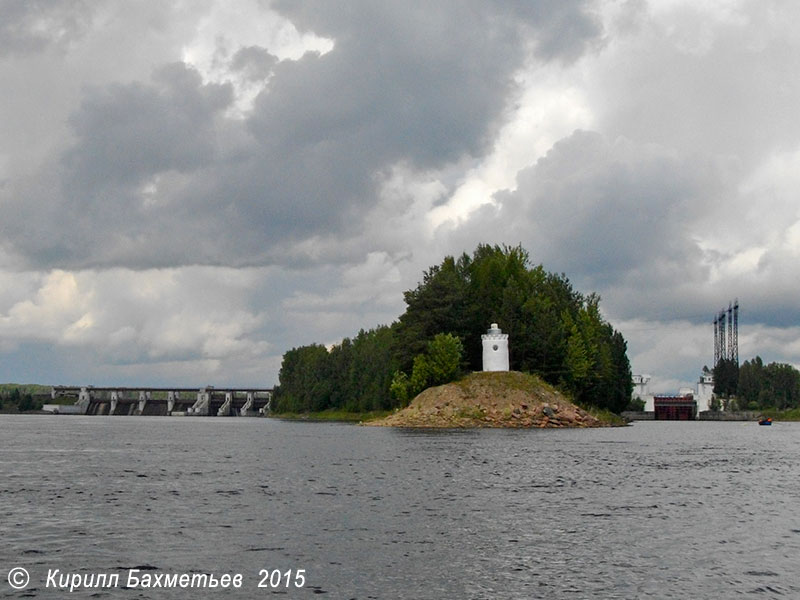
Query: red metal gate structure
x=675, y=408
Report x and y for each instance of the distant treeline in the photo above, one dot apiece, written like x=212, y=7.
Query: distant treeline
x=754, y=385
x=554, y=332
x=21, y=398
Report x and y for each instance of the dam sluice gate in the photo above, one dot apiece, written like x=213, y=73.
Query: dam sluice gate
x=203, y=402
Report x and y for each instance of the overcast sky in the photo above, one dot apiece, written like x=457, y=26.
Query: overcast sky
x=191, y=188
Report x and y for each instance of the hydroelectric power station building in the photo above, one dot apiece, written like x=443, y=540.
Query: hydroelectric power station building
x=687, y=404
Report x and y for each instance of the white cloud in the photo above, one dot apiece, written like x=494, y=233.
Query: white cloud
x=56, y=311
x=127, y=317
x=673, y=352
x=549, y=107
x=228, y=28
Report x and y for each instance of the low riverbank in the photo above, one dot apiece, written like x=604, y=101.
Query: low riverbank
x=333, y=416
x=781, y=415
x=739, y=415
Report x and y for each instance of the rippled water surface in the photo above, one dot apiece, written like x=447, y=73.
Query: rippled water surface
x=655, y=510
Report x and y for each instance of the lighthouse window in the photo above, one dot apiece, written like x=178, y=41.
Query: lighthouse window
x=494, y=347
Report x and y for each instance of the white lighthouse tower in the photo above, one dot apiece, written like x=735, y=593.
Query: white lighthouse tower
x=495, y=349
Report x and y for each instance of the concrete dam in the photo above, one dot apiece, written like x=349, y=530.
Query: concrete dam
x=204, y=402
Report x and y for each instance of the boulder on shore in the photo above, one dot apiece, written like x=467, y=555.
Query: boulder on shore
x=496, y=399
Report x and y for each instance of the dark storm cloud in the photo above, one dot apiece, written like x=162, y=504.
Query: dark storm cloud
x=614, y=215
x=101, y=211
x=561, y=29
x=32, y=25
x=256, y=63
x=627, y=220
x=564, y=29
x=598, y=208
x=423, y=84
x=419, y=84
x=129, y=132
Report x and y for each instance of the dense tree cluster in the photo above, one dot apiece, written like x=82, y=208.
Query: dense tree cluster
x=354, y=376
x=18, y=399
x=726, y=378
x=754, y=385
x=776, y=385
x=440, y=364
x=554, y=331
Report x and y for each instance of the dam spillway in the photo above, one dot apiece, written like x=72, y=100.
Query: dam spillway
x=165, y=401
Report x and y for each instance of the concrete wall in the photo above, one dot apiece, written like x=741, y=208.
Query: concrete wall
x=745, y=415
x=740, y=415
x=633, y=415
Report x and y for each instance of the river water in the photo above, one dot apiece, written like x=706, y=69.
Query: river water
x=654, y=510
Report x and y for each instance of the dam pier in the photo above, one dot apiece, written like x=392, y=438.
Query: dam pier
x=168, y=401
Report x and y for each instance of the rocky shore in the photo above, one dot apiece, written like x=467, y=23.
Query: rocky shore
x=502, y=399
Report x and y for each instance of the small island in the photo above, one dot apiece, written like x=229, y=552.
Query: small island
x=495, y=399
x=537, y=324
